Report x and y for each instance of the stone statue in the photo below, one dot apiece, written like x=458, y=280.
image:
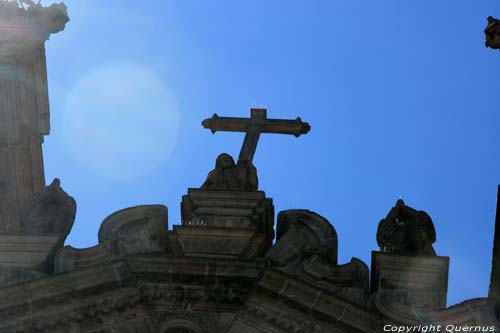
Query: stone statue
x=243, y=176
x=52, y=19
x=50, y=211
x=406, y=231
x=230, y=176
x=492, y=32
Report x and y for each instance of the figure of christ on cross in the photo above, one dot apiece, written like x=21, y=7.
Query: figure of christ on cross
x=243, y=175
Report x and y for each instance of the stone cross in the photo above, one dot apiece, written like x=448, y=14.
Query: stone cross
x=255, y=125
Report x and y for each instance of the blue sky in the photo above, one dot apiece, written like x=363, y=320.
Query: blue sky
x=402, y=98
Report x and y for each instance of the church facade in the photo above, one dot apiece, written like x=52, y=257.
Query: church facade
x=229, y=267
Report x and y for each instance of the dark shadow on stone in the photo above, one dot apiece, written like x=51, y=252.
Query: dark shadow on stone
x=51, y=211
x=306, y=247
x=229, y=176
x=14, y=275
x=406, y=231
x=492, y=32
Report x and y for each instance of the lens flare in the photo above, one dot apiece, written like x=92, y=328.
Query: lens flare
x=121, y=121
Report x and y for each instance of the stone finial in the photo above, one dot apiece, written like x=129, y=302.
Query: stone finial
x=406, y=231
x=492, y=32
x=51, y=211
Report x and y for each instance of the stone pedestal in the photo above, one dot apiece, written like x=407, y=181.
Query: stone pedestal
x=29, y=251
x=231, y=224
x=425, y=277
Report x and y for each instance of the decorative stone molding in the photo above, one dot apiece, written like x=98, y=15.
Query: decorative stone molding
x=135, y=230
x=306, y=246
x=140, y=229
x=69, y=258
x=396, y=307
x=307, y=298
x=225, y=224
x=216, y=242
x=45, y=226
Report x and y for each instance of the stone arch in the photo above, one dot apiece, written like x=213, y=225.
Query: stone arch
x=180, y=326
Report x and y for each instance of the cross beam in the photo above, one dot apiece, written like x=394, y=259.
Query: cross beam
x=255, y=125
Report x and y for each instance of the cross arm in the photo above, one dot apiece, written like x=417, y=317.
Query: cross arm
x=278, y=126
x=225, y=124
x=293, y=127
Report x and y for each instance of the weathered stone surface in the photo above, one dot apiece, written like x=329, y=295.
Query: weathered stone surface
x=12, y=275
x=406, y=231
x=300, y=234
x=319, y=305
x=24, y=107
x=397, y=306
x=140, y=229
x=425, y=276
x=231, y=177
x=216, y=242
x=50, y=211
x=492, y=32
x=69, y=258
x=42, y=21
x=45, y=226
x=230, y=209
x=236, y=224
x=28, y=251
x=152, y=293
x=135, y=230
x=306, y=246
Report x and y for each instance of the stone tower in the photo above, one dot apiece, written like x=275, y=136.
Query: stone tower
x=24, y=105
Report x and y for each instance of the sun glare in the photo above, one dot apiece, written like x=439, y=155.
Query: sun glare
x=122, y=116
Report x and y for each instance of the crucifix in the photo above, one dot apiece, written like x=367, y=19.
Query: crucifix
x=243, y=175
x=255, y=125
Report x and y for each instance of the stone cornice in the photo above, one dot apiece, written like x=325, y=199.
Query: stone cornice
x=162, y=282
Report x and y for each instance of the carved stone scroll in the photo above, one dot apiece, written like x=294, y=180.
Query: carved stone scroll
x=135, y=230
x=306, y=246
